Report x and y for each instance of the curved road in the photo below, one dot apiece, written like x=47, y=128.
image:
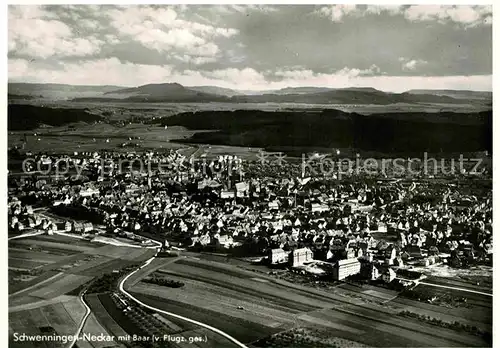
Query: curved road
x=211, y=328
x=26, y=235
x=87, y=308
x=83, y=321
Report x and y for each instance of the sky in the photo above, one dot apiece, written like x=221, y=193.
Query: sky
x=253, y=47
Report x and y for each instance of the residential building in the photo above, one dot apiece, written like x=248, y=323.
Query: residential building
x=299, y=256
x=278, y=256
x=87, y=227
x=389, y=275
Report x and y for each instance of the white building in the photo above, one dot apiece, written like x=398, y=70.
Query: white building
x=277, y=256
x=299, y=256
x=346, y=268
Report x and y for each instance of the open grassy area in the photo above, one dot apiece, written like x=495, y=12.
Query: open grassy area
x=104, y=318
x=35, y=259
x=93, y=327
x=243, y=330
x=217, y=293
x=449, y=297
x=62, y=317
x=20, y=280
x=307, y=337
x=457, y=326
x=102, y=136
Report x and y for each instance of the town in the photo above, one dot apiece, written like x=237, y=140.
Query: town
x=365, y=226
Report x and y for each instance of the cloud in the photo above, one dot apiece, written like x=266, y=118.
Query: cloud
x=469, y=16
x=251, y=47
x=243, y=9
x=390, y=9
x=307, y=75
x=111, y=39
x=337, y=12
x=110, y=71
x=348, y=77
x=161, y=29
x=411, y=64
x=237, y=76
x=89, y=24
x=372, y=70
x=38, y=33
x=194, y=60
x=257, y=8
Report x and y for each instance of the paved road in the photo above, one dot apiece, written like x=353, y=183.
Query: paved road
x=123, y=291
x=26, y=235
x=82, y=323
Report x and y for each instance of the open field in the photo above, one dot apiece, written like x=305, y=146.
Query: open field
x=300, y=337
x=63, y=265
x=481, y=318
x=101, y=136
x=57, y=286
x=243, y=330
x=72, y=247
x=23, y=264
x=108, y=316
x=18, y=282
x=473, y=301
x=35, y=259
x=93, y=327
x=372, y=293
x=149, y=110
x=39, y=256
x=122, y=130
x=478, y=281
x=61, y=286
x=213, y=340
x=250, y=306
x=124, y=253
x=444, y=271
x=103, y=317
x=63, y=240
x=63, y=317
x=37, y=303
x=101, y=266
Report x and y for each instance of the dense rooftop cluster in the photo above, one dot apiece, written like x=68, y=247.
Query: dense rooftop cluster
x=255, y=208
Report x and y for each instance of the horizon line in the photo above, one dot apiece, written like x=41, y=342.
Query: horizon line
x=249, y=90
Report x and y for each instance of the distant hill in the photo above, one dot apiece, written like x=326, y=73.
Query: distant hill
x=227, y=92
x=174, y=92
x=54, y=91
x=299, y=90
x=164, y=92
x=457, y=94
x=11, y=96
x=311, y=90
x=27, y=117
x=348, y=96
